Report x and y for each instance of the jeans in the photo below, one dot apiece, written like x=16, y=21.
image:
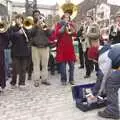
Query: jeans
x=8, y=62
x=63, y=71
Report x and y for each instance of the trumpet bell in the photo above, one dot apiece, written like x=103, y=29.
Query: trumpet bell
x=69, y=6
x=28, y=22
x=3, y=27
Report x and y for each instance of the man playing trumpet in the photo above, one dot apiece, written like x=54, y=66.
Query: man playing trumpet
x=65, y=30
x=40, y=49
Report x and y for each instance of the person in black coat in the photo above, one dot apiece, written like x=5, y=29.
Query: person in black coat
x=20, y=51
x=79, y=39
x=114, y=35
x=3, y=45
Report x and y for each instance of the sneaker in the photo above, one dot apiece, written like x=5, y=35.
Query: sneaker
x=45, y=83
x=1, y=90
x=81, y=67
x=29, y=78
x=106, y=114
x=52, y=73
x=21, y=87
x=36, y=84
x=13, y=86
x=72, y=82
x=87, y=76
x=64, y=83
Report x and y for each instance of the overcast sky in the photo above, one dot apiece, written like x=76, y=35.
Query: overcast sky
x=45, y=2
x=52, y=2
x=116, y=2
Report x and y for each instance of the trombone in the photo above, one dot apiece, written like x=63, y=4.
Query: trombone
x=42, y=22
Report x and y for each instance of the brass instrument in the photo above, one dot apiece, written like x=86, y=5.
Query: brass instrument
x=69, y=7
x=28, y=22
x=3, y=27
x=42, y=22
x=69, y=29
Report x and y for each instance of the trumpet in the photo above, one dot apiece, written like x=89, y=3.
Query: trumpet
x=42, y=22
x=68, y=29
x=114, y=31
x=3, y=27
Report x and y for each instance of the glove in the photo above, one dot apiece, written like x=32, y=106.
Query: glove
x=63, y=23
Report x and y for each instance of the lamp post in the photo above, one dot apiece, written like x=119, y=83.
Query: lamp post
x=30, y=6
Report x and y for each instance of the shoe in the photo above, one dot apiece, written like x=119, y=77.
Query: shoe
x=1, y=90
x=29, y=78
x=52, y=73
x=64, y=83
x=36, y=83
x=45, y=83
x=87, y=76
x=72, y=82
x=81, y=67
x=106, y=114
x=21, y=87
x=13, y=86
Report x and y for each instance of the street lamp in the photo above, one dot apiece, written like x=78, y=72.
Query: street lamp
x=30, y=6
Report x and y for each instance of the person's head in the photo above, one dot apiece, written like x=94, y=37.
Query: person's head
x=36, y=14
x=19, y=19
x=89, y=19
x=66, y=17
x=118, y=19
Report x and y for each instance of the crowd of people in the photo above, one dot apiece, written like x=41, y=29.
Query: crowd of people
x=31, y=53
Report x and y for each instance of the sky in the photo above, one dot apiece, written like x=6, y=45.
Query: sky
x=115, y=2
x=52, y=2
x=45, y=2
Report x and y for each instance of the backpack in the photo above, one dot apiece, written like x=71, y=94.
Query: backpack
x=93, y=32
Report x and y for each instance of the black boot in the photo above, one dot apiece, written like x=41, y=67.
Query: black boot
x=29, y=77
x=87, y=76
x=107, y=114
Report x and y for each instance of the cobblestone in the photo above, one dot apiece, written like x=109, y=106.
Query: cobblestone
x=44, y=103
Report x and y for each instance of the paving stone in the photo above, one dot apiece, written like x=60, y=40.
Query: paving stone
x=45, y=102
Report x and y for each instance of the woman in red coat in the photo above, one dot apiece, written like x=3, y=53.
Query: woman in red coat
x=65, y=48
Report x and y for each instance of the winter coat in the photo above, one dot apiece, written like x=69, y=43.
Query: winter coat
x=65, y=48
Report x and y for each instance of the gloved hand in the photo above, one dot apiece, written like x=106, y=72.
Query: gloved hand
x=63, y=23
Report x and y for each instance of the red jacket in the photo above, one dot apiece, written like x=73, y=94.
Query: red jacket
x=65, y=47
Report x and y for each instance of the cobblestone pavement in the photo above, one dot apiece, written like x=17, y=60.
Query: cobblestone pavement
x=44, y=103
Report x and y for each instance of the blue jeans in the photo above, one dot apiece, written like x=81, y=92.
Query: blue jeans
x=63, y=71
x=8, y=61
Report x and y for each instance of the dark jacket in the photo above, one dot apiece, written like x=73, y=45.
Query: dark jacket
x=114, y=37
x=114, y=55
x=39, y=37
x=19, y=46
x=4, y=40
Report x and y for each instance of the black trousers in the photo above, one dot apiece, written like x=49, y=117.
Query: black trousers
x=29, y=66
x=19, y=68
x=81, y=55
x=2, y=70
x=51, y=63
x=89, y=66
